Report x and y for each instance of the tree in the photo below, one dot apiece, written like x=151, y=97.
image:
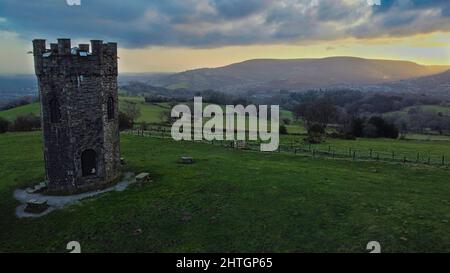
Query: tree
x=321, y=112
x=316, y=133
x=283, y=130
x=4, y=125
x=27, y=123
x=383, y=128
x=357, y=127
x=132, y=110
x=166, y=117
x=215, y=97
x=317, y=115
x=125, y=122
x=286, y=121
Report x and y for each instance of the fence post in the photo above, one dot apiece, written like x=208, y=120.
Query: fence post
x=350, y=151
x=404, y=159
x=418, y=157
x=429, y=160
x=443, y=160
x=354, y=155
x=371, y=151
x=393, y=155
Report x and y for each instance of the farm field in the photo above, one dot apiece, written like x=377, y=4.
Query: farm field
x=151, y=113
x=233, y=201
x=403, y=147
x=437, y=145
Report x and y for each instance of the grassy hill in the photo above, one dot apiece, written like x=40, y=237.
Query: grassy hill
x=11, y=114
x=233, y=201
x=149, y=112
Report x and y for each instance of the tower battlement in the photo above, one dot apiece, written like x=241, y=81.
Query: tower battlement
x=79, y=112
x=61, y=57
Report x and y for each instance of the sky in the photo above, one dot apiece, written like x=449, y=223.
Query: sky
x=178, y=35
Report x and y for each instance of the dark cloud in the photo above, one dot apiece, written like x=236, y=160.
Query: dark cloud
x=238, y=8
x=210, y=23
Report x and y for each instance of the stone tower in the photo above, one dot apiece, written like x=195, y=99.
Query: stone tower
x=79, y=113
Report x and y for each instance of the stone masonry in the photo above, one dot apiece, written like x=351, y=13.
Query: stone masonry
x=79, y=114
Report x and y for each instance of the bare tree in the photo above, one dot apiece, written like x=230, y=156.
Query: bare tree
x=131, y=109
x=317, y=115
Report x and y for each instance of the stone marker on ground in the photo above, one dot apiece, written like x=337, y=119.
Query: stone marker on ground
x=37, y=188
x=186, y=160
x=143, y=178
x=36, y=207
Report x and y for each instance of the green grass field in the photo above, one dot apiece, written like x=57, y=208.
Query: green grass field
x=233, y=201
x=11, y=114
x=150, y=112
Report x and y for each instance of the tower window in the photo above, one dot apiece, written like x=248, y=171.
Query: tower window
x=89, y=162
x=55, y=113
x=110, y=108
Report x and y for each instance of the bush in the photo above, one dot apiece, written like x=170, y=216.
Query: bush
x=375, y=127
x=287, y=121
x=28, y=122
x=283, y=130
x=4, y=125
x=125, y=122
x=316, y=133
x=357, y=127
x=342, y=135
x=383, y=128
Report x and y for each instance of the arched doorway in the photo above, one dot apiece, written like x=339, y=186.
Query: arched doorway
x=89, y=162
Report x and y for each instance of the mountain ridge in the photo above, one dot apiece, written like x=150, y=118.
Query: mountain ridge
x=297, y=74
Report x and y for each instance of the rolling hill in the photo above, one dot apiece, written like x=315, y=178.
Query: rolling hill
x=298, y=74
x=438, y=84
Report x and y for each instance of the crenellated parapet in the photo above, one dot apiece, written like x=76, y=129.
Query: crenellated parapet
x=62, y=58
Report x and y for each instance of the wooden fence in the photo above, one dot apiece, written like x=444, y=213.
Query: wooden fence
x=308, y=149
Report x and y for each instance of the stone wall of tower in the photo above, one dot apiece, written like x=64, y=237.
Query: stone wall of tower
x=81, y=83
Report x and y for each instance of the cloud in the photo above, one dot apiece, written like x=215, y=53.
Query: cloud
x=215, y=23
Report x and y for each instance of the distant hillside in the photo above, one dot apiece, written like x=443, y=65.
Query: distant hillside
x=433, y=109
x=438, y=84
x=15, y=86
x=126, y=78
x=13, y=113
x=297, y=74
